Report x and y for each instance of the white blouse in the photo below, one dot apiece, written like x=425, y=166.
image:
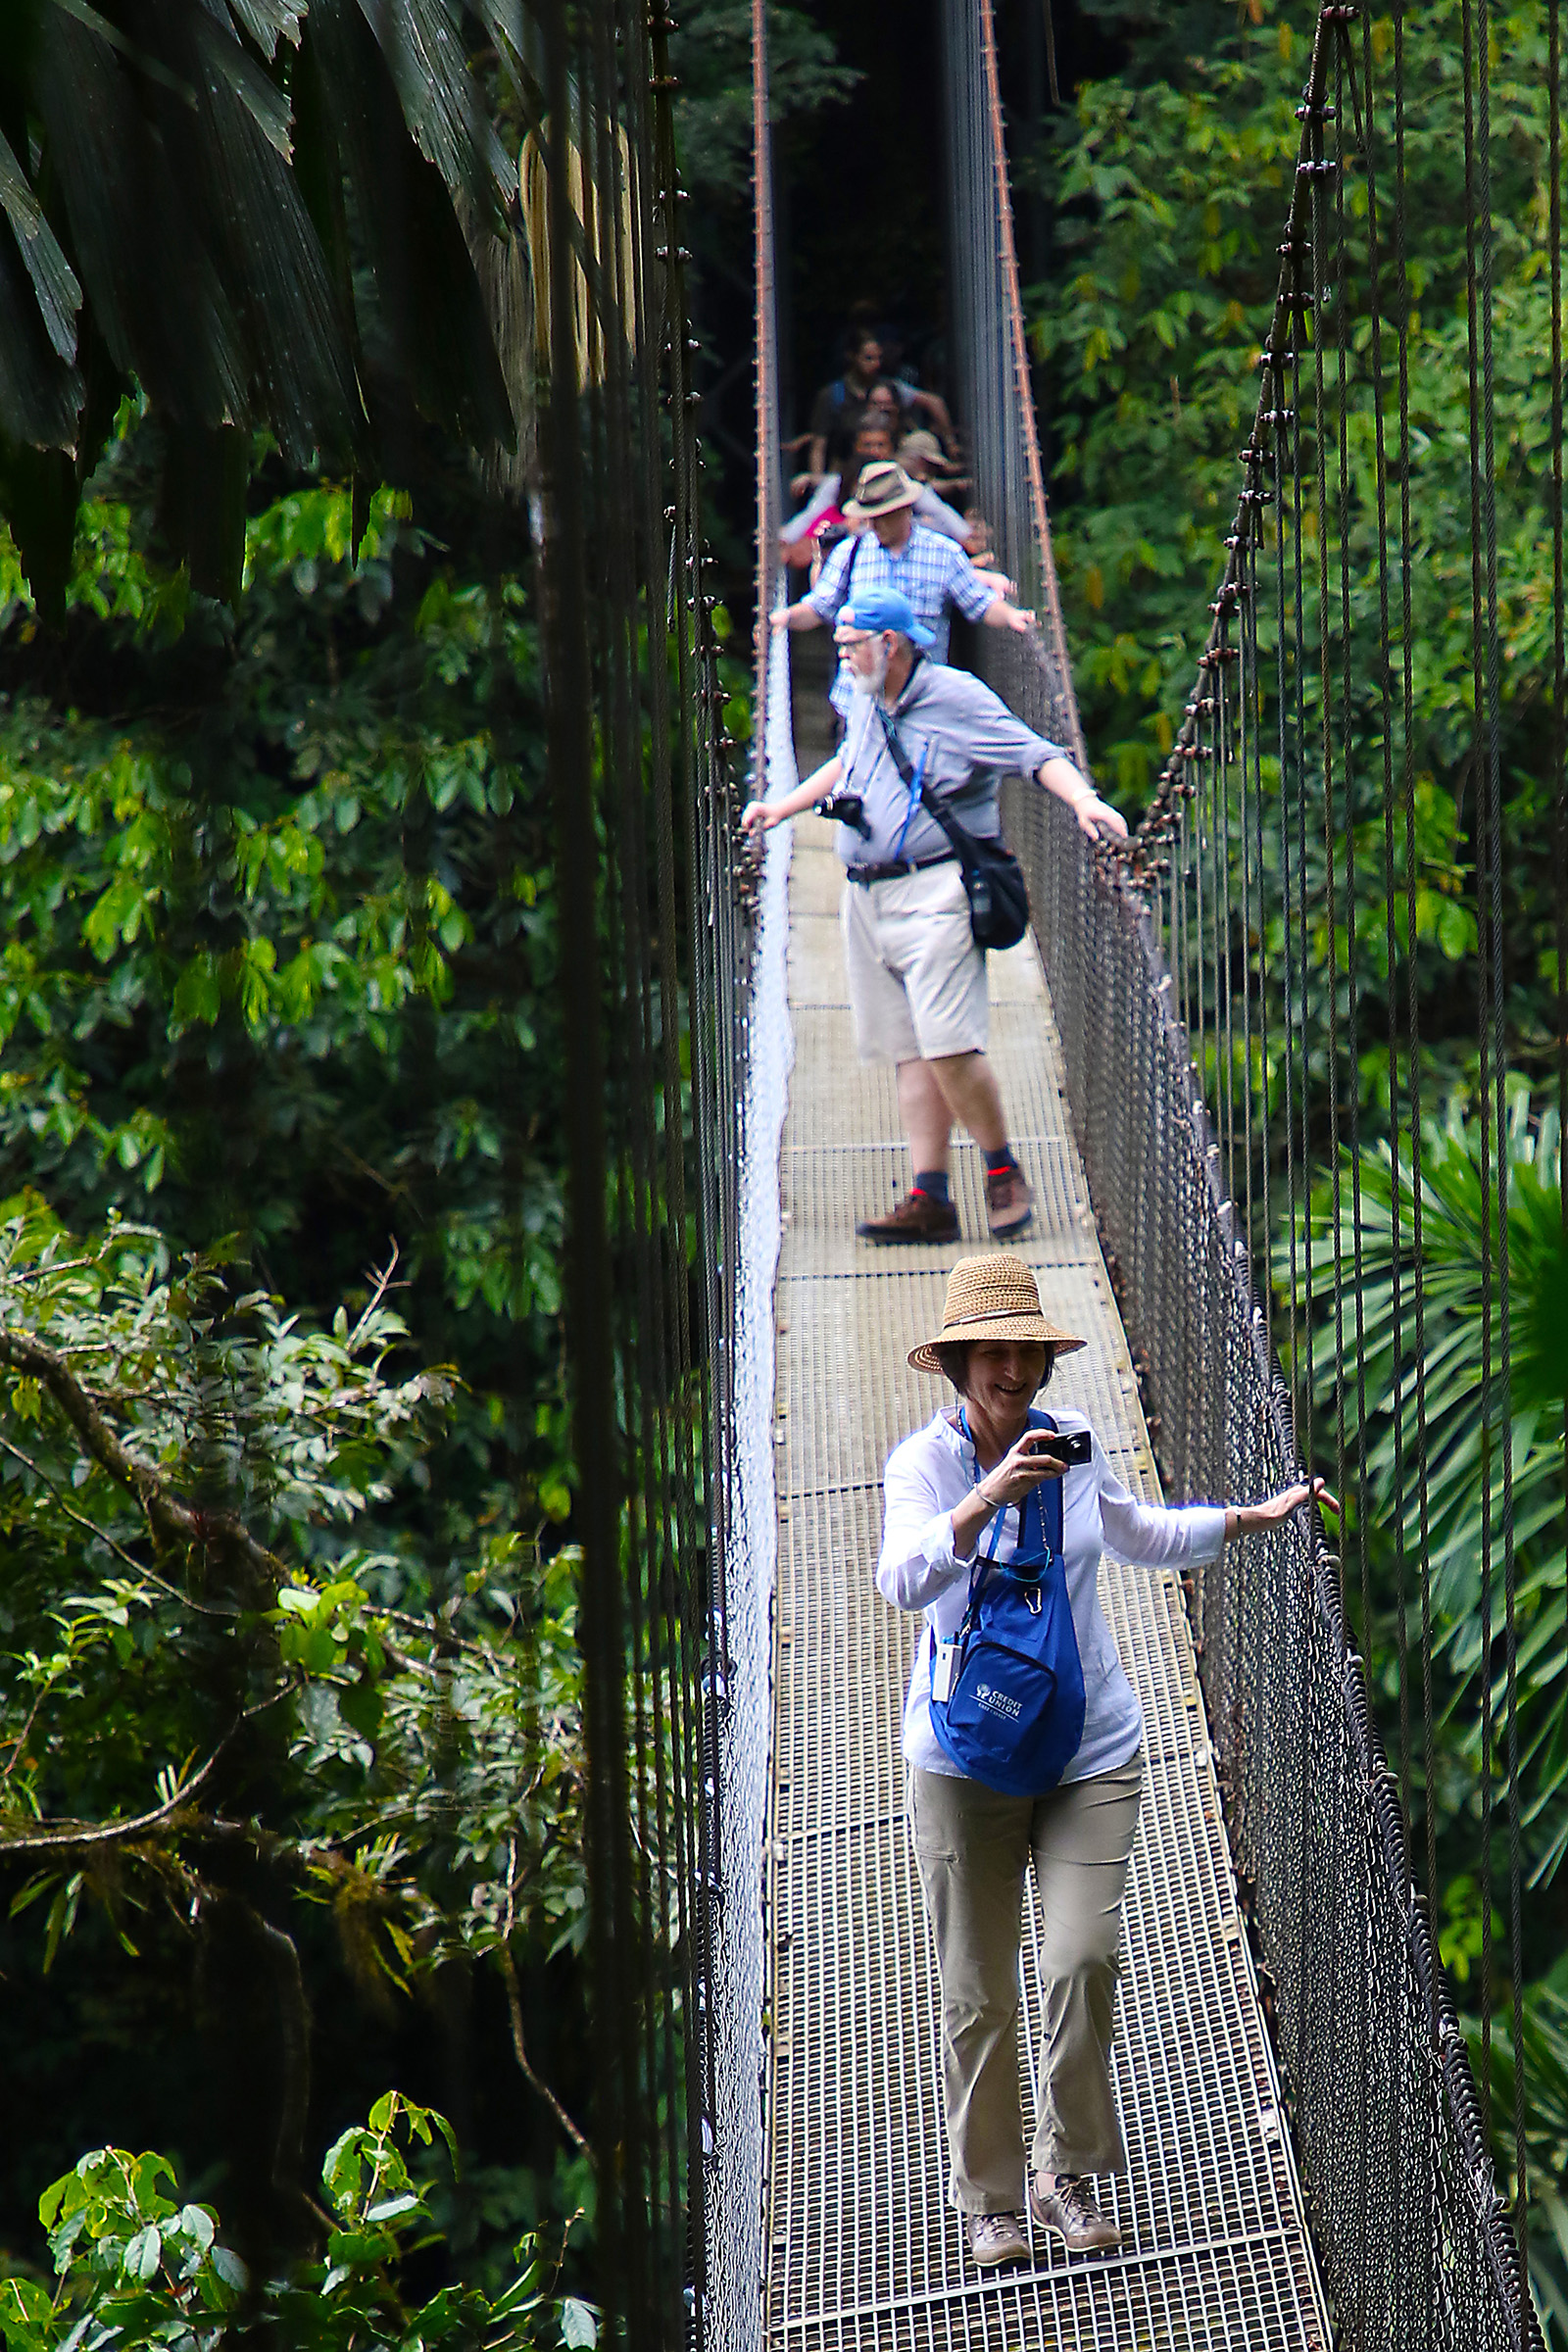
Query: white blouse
x=928, y=1476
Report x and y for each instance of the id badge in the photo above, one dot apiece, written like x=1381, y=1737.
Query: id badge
x=944, y=1667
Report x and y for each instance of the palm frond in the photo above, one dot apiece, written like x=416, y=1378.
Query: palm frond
x=55, y=283
x=254, y=242
x=421, y=42
x=268, y=22
x=428, y=317
x=270, y=260
x=1462, y=1464
x=158, y=298
x=40, y=388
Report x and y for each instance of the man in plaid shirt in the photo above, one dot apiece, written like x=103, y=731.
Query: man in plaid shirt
x=894, y=551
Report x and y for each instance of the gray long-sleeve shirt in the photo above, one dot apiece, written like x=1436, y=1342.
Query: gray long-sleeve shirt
x=971, y=741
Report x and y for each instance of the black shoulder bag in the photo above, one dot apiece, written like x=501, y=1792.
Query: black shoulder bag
x=992, y=878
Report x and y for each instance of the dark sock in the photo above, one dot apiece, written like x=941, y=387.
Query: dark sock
x=996, y=1161
x=933, y=1182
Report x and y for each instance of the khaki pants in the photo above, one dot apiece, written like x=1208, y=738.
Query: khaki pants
x=917, y=981
x=973, y=1849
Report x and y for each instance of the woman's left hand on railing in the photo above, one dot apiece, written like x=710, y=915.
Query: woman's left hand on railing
x=1252, y=1518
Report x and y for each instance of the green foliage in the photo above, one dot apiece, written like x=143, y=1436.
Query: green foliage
x=1435, y=1465
x=135, y=2266
x=1435, y=1487
x=262, y=907
x=1170, y=200
x=1173, y=197
x=278, y=1006
x=1544, y=2047
x=178, y=1465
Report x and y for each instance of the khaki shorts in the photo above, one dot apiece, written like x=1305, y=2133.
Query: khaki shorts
x=917, y=981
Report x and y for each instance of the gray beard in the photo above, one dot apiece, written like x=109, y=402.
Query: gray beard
x=872, y=687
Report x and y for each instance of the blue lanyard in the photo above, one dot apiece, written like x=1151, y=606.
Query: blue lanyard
x=999, y=1521
x=916, y=781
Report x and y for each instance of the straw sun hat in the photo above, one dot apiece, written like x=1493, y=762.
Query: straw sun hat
x=992, y=1297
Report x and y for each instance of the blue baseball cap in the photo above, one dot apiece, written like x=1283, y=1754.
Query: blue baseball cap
x=879, y=609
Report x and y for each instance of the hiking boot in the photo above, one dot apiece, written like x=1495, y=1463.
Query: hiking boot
x=1071, y=2212
x=1009, y=1202
x=996, y=2237
x=917, y=1218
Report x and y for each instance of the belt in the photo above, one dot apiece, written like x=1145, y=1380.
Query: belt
x=895, y=868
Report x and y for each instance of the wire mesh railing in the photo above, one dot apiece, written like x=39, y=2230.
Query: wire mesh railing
x=657, y=924
x=1198, y=1012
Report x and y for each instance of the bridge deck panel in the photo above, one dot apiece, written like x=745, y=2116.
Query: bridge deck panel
x=864, y=2250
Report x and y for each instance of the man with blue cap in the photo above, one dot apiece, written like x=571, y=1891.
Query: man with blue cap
x=917, y=981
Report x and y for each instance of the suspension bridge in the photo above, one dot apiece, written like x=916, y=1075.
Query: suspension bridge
x=1310, y=2154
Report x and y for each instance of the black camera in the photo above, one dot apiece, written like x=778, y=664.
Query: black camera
x=847, y=809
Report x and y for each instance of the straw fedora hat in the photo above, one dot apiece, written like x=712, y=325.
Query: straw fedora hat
x=992, y=1297
x=882, y=489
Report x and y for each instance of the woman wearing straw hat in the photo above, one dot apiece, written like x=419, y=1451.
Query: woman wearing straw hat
x=1023, y=1737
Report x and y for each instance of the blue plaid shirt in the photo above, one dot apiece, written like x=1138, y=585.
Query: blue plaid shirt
x=931, y=570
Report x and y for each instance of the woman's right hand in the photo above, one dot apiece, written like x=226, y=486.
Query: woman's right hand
x=759, y=817
x=1017, y=1473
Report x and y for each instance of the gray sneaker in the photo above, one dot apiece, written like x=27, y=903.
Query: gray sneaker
x=1071, y=2212
x=996, y=2237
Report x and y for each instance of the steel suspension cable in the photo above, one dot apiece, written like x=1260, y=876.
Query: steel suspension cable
x=1412, y=996
x=1367, y=132
x=1475, y=71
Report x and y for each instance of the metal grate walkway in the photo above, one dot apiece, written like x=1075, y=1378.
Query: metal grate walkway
x=862, y=2248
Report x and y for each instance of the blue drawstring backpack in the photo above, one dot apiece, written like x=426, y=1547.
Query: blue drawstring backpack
x=1013, y=1713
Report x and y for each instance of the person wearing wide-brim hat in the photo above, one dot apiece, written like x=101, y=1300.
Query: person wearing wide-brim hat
x=956, y=1499
x=894, y=549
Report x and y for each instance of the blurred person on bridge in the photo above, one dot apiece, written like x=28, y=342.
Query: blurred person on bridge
x=835, y=412
x=926, y=566
x=917, y=980
x=921, y=456
x=994, y=1517
x=825, y=513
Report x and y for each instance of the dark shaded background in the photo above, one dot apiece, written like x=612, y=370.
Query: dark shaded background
x=859, y=219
